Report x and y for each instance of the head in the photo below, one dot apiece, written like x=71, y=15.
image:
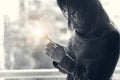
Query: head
x=83, y=14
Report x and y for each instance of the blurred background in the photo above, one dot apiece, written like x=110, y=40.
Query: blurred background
x=23, y=24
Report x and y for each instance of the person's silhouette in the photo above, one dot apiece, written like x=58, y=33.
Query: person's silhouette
x=93, y=50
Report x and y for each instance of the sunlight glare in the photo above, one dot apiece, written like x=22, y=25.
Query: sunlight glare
x=38, y=32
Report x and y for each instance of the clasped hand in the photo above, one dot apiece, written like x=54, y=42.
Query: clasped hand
x=55, y=51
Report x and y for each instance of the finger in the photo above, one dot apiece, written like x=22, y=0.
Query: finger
x=55, y=45
x=48, y=45
x=49, y=51
x=50, y=48
x=50, y=55
x=51, y=44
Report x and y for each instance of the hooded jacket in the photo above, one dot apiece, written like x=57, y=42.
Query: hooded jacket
x=91, y=58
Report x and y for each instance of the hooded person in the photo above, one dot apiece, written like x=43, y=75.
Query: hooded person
x=93, y=50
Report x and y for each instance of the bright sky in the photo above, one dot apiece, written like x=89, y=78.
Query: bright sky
x=10, y=8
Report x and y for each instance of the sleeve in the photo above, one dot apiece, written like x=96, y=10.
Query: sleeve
x=67, y=65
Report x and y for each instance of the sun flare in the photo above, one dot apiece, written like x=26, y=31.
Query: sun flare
x=38, y=32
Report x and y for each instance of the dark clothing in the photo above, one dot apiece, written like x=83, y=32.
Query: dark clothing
x=91, y=58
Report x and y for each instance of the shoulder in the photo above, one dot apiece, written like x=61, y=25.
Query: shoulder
x=113, y=37
x=114, y=34
x=113, y=42
x=109, y=36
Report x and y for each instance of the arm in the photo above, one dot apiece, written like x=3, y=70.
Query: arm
x=112, y=55
x=103, y=68
x=68, y=63
x=62, y=60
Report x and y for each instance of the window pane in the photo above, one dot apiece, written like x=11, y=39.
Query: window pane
x=24, y=33
x=23, y=27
